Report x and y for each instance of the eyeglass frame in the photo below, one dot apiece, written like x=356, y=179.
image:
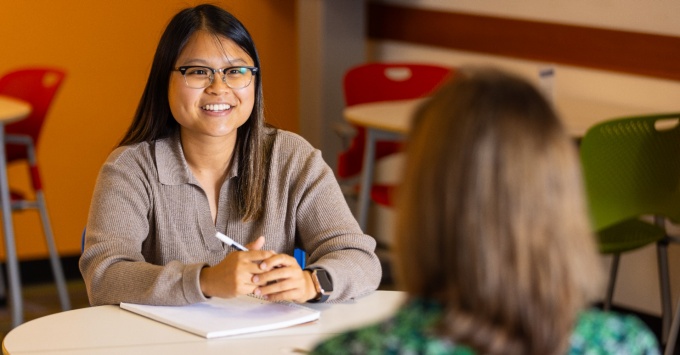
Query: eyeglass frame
x=183, y=69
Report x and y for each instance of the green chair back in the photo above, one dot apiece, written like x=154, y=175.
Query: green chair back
x=631, y=168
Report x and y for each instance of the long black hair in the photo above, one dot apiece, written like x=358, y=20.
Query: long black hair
x=153, y=119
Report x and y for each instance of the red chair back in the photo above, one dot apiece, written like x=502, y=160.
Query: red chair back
x=36, y=86
x=392, y=81
x=375, y=82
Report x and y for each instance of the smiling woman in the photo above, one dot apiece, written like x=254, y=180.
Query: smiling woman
x=95, y=105
x=199, y=159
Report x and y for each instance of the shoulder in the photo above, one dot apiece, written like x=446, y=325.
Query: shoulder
x=293, y=152
x=124, y=154
x=286, y=142
x=611, y=333
x=135, y=160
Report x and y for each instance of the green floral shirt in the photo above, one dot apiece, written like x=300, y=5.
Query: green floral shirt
x=596, y=333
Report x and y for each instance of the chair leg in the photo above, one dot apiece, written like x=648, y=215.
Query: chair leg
x=3, y=287
x=673, y=334
x=612, y=281
x=59, y=278
x=664, y=282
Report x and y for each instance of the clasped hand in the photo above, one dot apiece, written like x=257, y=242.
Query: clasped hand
x=277, y=277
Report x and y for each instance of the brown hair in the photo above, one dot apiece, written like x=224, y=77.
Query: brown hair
x=492, y=220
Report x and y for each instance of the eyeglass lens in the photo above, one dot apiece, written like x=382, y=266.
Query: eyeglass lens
x=202, y=77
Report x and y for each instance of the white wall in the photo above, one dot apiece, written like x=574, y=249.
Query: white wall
x=638, y=286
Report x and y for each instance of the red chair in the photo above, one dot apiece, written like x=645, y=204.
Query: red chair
x=374, y=82
x=37, y=86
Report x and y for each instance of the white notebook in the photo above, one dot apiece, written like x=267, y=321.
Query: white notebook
x=220, y=317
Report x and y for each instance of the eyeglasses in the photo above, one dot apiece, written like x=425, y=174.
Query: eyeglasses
x=197, y=77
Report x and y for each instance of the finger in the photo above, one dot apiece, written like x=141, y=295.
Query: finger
x=273, y=275
x=277, y=287
x=262, y=277
x=293, y=276
x=248, y=264
x=257, y=244
x=283, y=291
x=278, y=261
x=250, y=269
x=255, y=256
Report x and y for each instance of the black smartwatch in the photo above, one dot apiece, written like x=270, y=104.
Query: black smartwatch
x=322, y=283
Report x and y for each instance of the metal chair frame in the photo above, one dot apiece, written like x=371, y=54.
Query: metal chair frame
x=37, y=86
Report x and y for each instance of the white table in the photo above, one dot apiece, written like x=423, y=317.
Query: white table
x=391, y=120
x=11, y=110
x=112, y=330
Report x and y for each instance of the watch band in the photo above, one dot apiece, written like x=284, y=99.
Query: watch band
x=322, y=284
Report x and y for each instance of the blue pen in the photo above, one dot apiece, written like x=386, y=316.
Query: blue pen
x=230, y=242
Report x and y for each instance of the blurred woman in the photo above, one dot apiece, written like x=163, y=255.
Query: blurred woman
x=493, y=244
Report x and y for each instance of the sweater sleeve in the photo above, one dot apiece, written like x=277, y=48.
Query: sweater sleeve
x=112, y=263
x=331, y=235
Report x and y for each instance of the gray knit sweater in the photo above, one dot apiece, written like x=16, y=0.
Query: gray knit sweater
x=150, y=230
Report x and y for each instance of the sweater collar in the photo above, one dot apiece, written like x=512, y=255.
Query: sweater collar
x=172, y=166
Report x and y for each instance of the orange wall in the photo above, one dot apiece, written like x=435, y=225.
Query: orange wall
x=106, y=48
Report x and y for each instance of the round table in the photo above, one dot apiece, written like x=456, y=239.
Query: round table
x=112, y=330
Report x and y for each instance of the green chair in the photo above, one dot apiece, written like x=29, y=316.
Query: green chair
x=631, y=168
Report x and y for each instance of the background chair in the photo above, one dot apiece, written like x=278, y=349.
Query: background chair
x=37, y=86
x=631, y=168
x=375, y=82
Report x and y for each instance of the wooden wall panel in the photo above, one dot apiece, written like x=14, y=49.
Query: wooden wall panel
x=622, y=51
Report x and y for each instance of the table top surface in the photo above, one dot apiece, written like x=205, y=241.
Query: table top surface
x=578, y=114
x=12, y=109
x=112, y=330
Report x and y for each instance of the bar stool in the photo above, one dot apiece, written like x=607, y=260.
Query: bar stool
x=38, y=86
